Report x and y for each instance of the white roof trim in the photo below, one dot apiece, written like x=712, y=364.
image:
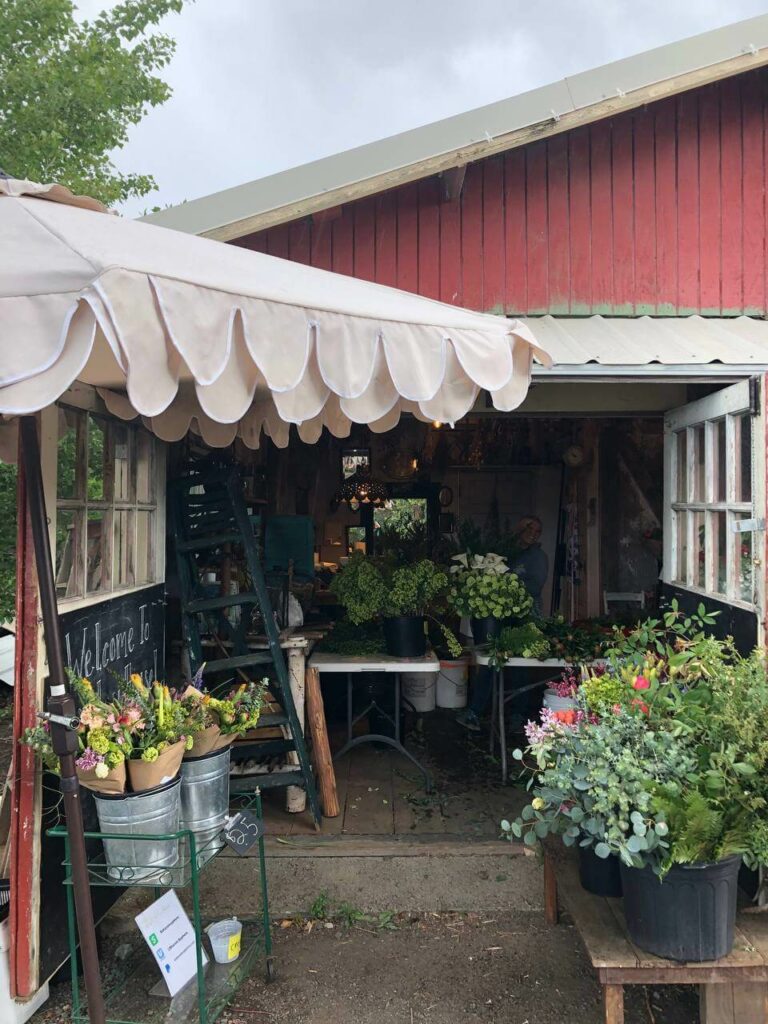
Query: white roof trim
x=583, y=98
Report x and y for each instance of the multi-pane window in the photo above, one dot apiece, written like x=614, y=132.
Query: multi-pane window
x=106, y=507
x=709, y=476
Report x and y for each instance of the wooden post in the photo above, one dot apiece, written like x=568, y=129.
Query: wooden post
x=550, y=890
x=295, y=656
x=740, y=1002
x=613, y=1004
x=321, y=750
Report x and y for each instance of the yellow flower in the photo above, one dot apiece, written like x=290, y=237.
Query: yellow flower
x=537, y=803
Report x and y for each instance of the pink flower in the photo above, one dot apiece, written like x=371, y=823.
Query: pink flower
x=641, y=683
x=641, y=705
x=617, y=709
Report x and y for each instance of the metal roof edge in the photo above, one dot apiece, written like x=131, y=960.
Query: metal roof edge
x=385, y=163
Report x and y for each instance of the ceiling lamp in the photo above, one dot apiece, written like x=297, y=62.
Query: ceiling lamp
x=362, y=489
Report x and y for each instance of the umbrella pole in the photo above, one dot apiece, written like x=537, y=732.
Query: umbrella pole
x=61, y=702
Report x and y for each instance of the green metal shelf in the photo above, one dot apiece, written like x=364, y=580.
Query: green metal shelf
x=135, y=986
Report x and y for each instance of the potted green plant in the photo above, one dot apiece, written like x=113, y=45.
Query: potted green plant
x=402, y=597
x=662, y=767
x=483, y=588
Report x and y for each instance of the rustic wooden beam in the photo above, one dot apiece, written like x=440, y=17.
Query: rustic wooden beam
x=321, y=749
x=550, y=890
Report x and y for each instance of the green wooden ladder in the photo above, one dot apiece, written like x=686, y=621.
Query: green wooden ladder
x=207, y=511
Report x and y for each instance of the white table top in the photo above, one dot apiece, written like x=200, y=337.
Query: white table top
x=482, y=659
x=323, y=662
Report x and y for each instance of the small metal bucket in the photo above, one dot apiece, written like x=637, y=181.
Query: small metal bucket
x=152, y=812
x=205, y=793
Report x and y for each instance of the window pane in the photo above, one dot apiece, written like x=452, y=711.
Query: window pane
x=699, y=540
x=69, y=473
x=122, y=548
x=744, y=567
x=720, y=554
x=144, y=547
x=719, y=468
x=681, y=524
x=699, y=483
x=144, y=467
x=97, y=454
x=744, y=458
x=97, y=568
x=69, y=532
x=121, y=436
x=682, y=466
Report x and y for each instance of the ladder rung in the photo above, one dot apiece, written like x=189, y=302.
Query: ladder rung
x=213, y=541
x=239, y=661
x=209, y=604
x=246, y=751
x=270, y=720
x=266, y=780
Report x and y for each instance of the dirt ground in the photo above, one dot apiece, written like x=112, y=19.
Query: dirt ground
x=428, y=969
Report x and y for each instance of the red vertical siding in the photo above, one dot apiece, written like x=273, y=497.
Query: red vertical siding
x=658, y=211
x=515, y=230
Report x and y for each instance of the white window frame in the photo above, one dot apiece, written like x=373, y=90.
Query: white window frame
x=704, y=416
x=84, y=398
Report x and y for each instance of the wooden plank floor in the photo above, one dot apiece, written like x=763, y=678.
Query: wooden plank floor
x=381, y=793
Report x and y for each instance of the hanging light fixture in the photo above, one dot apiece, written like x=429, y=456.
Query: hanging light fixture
x=361, y=489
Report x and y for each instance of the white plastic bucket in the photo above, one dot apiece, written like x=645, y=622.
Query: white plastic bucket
x=554, y=703
x=452, y=683
x=418, y=691
x=225, y=938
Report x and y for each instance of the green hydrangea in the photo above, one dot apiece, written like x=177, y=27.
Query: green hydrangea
x=98, y=740
x=150, y=754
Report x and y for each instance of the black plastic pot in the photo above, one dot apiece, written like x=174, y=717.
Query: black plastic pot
x=404, y=636
x=484, y=629
x=598, y=875
x=690, y=915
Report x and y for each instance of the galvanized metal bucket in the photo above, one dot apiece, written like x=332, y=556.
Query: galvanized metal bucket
x=154, y=812
x=205, y=793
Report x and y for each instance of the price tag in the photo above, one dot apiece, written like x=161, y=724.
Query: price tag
x=243, y=831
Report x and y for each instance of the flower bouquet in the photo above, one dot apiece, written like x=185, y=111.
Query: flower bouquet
x=105, y=740
x=159, y=733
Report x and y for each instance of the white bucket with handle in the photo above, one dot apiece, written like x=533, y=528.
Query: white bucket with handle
x=418, y=691
x=452, y=683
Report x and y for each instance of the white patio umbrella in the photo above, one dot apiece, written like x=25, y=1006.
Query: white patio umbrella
x=188, y=332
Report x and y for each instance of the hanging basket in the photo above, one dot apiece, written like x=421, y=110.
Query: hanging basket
x=145, y=775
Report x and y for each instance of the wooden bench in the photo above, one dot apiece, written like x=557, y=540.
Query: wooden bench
x=733, y=990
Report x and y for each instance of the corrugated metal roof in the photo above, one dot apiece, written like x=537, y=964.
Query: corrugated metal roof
x=471, y=135
x=692, y=341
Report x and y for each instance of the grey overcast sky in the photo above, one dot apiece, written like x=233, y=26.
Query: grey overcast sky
x=262, y=85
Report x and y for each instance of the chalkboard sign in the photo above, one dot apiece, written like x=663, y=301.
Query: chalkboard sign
x=107, y=642
x=243, y=832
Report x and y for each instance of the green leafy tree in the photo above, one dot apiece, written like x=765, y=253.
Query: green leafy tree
x=72, y=89
x=7, y=541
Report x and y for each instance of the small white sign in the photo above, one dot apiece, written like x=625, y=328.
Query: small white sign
x=168, y=932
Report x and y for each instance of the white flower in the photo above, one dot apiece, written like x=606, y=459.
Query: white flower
x=101, y=771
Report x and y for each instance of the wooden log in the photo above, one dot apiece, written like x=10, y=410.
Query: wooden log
x=326, y=775
x=613, y=1004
